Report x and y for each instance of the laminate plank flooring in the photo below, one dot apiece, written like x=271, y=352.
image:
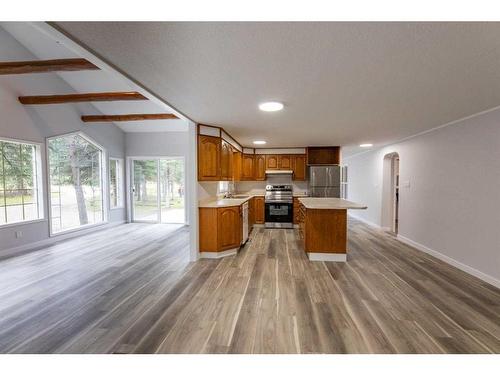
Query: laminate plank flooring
x=132, y=289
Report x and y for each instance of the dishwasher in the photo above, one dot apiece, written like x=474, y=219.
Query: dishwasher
x=244, y=223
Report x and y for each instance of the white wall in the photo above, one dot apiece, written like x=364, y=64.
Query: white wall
x=157, y=144
x=36, y=123
x=452, y=203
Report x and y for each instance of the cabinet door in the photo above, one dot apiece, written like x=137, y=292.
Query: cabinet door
x=259, y=210
x=236, y=165
x=251, y=215
x=229, y=229
x=247, y=167
x=260, y=167
x=271, y=161
x=226, y=155
x=284, y=161
x=208, y=158
x=299, y=168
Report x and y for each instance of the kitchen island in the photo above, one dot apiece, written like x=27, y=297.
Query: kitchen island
x=323, y=227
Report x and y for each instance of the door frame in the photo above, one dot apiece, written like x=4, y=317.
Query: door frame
x=130, y=181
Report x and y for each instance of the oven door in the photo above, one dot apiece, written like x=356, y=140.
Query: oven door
x=279, y=212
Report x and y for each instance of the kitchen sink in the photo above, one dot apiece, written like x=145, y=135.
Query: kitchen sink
x=238, y=196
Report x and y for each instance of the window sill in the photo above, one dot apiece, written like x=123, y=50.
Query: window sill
x=8, y=225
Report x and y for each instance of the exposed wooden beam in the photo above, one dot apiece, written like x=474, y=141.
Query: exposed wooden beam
x=130, y=117
x=44, y=66
x=75, y=98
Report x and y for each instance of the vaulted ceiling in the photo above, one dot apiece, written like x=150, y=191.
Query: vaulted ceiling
x=341, y=83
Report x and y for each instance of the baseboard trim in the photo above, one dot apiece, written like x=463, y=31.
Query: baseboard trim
x=367, y=222
x=327, y=257
x=218, y=254
x=455, y=263
x=19, y=250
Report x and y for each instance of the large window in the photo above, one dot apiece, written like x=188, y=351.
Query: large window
x=20, y=185
x=75, y=182
x=115, y=183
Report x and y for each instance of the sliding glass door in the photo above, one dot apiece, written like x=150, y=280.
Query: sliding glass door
x=158, y=190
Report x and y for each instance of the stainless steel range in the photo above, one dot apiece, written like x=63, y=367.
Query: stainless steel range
x=279, y=206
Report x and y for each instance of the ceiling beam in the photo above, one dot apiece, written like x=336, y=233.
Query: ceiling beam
x=130, y=117
x=76, y=98
x=44, y=66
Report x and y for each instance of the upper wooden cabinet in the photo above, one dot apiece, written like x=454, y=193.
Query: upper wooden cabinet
x=226, y=158
x=299, y=167
x=272, y=162
x=247, y=168
x=285, y=161
x=208, y=158
x=323, y=155
x=260, y=167
x=237, y=171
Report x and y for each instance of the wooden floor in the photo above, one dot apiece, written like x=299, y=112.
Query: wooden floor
x=132, y=290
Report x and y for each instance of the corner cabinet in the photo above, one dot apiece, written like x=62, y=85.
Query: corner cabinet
x=226, y=161
x=209, y=158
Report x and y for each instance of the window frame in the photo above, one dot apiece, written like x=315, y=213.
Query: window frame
x=104, y=184
x=121, y=186
x=39, y=182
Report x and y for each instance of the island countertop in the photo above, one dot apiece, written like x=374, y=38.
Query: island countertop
x=330, y=204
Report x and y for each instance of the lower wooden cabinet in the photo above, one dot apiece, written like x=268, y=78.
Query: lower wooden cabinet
x=220, y=228
x=296, y=205
x=323, y=231
x=259, y=210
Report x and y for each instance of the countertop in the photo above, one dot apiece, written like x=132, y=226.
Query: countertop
x=231, y=202
x=330, y=204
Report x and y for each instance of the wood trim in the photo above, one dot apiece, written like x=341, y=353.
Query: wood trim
x=76, y=98
x=129, y=117
x=44, y=66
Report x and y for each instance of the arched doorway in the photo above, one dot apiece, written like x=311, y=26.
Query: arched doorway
x=390, y=199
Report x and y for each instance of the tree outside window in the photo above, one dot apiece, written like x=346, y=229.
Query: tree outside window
x=75, y=176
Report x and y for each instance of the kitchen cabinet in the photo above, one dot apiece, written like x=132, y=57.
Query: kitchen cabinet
x=208, y=158
x=220, y=228
x=259, y=213
x=229, y=227
x=237, y=159
x=247, y=167
x=272, y=161
x=226, y=159
x=323, y=155
x=299, y=167
x=260, y=168
x=285, y=161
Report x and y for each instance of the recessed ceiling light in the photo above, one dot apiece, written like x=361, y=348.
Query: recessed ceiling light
x=271, y=106
x=259, y=142
x=366, y=145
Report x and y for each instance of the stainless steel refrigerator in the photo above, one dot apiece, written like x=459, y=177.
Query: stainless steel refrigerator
x=324, y=181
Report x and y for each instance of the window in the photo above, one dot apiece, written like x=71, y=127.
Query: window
x=75, y=182
x=115, y=183
x=20, y=184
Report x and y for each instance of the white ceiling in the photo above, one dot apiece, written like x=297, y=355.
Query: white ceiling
x=44, y=47
x=342, y=83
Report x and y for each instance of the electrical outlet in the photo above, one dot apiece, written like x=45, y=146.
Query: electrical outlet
x=19, y=234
